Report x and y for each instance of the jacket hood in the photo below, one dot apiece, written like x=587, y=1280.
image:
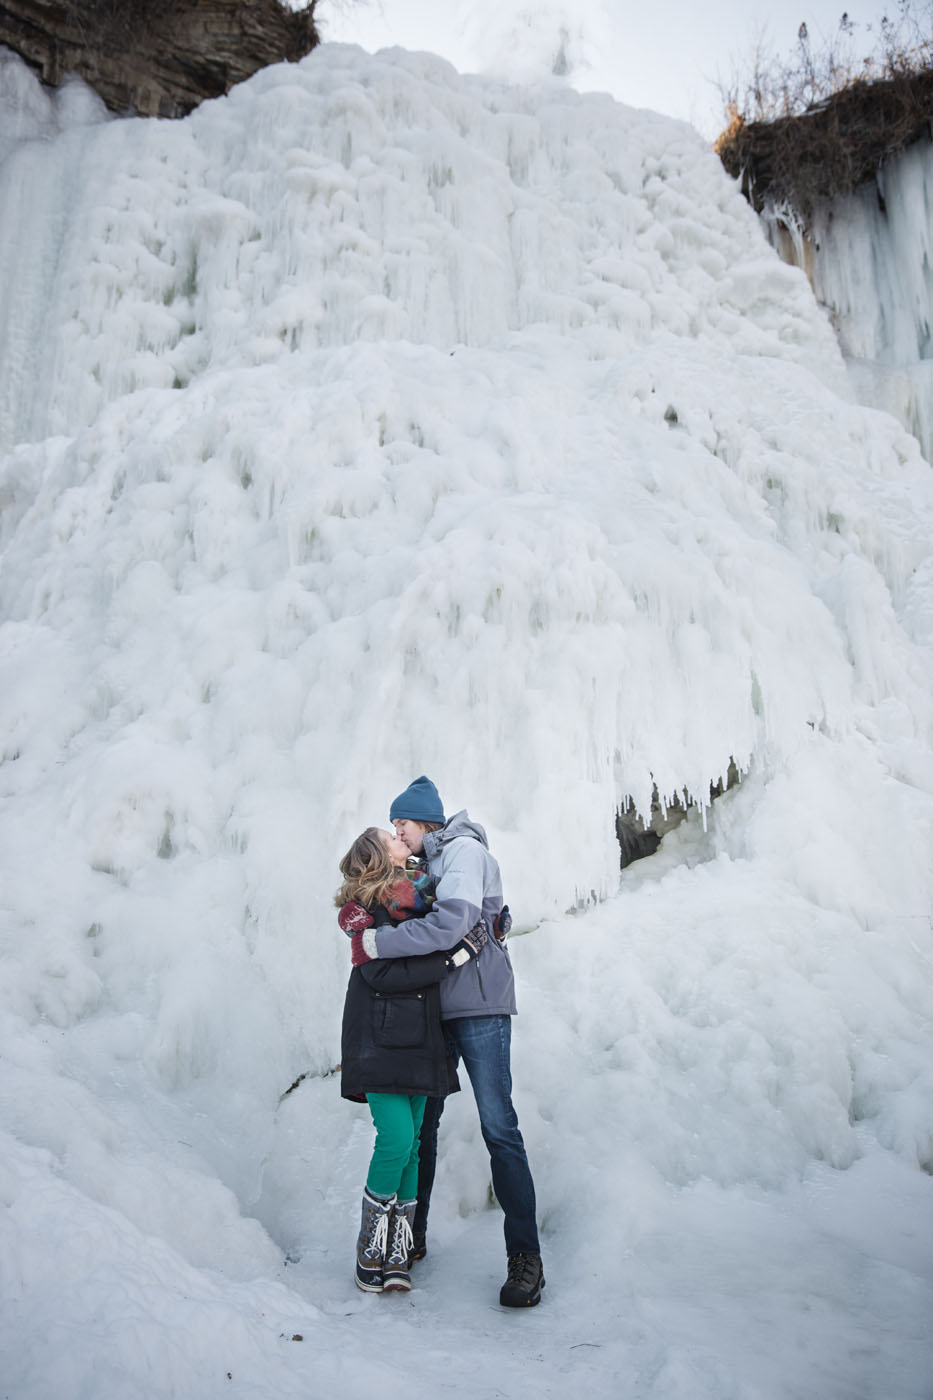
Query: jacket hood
x=457, y=825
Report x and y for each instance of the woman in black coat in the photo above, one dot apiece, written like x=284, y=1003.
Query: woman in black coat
x=392, y=1040
x=393, y=1046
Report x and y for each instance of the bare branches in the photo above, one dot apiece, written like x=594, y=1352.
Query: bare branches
x=822, y=121
x=773, y=86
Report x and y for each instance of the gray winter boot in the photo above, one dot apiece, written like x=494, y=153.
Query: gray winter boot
x=398, y=1249
x=371, y=1245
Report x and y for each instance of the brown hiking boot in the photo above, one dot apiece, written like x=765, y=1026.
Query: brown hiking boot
x=522, y=1288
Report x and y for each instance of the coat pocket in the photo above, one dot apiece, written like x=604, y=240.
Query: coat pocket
x=400, y=1021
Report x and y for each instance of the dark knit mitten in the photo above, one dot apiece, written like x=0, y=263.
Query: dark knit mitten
x=470, y=945
x=502, y=924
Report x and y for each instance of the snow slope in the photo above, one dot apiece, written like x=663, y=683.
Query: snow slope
x=375, y=421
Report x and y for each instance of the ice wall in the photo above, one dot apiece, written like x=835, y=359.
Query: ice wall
x=375, y=421
x=869, y=256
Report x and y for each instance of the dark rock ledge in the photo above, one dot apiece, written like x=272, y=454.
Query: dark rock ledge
x=155, y=58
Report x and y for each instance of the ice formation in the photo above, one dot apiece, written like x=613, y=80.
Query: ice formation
x=375, y=421
x=869, y=256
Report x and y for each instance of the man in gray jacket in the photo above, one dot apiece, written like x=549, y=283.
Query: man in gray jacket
x=477, y=1003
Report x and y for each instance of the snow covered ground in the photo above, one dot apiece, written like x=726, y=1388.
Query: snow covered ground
x=376, y=421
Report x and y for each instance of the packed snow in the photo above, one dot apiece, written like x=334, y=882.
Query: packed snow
x=376, y=421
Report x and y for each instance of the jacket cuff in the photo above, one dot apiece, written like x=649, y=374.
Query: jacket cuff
x=369, y=943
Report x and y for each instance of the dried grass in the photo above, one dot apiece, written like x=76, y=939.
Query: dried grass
x=823, y=121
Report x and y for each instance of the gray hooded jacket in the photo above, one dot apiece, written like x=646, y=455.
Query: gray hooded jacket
x=467, y=888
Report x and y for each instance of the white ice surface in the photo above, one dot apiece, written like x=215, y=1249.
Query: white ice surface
x=375, y=421
x=869, y=256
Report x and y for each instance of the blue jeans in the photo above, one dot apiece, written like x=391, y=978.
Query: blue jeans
x=483, y=1044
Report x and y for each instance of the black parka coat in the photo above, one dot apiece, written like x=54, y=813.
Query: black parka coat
x=392, y=1040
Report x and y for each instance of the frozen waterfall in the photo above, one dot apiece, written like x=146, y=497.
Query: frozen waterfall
x=869, y=256
x=375, y=421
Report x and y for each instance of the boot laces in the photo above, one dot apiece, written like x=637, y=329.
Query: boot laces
x=401, y=1237
x=521, y=1265
x=376, y=1247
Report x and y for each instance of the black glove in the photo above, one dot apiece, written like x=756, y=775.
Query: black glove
x=502, y=924
x=470, y=946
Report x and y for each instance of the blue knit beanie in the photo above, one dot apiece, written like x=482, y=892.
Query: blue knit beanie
x=420, y=802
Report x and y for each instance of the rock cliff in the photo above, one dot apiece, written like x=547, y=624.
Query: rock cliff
x=158, y=58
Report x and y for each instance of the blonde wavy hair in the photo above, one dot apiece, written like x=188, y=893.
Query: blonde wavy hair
x=368, y=871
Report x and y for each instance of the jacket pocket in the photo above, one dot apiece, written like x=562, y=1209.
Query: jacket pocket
x=400, y=1021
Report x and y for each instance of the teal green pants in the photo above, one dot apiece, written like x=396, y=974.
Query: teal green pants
x=394, y=1165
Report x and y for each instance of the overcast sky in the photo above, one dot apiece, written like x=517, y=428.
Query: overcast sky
x=664, y=54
